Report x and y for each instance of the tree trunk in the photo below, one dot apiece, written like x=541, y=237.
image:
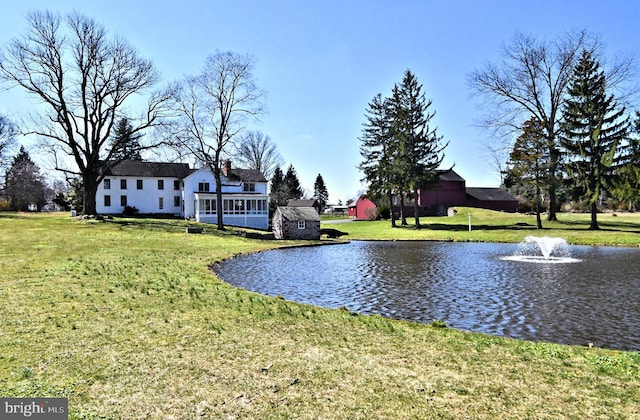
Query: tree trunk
x=393, y=216
x=220, y=209
x=538, y=206
x=416, y=209
x=551, y=211
x=90, y=187
x=403, y=218
x=594, y=217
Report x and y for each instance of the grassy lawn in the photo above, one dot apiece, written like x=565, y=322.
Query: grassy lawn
x=125, y=319
x=617, y=229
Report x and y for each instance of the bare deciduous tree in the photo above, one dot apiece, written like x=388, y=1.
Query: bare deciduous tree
x=83, y=77
x=213, y=108
x=8, y=131
x=256, y=151
x=530, y=83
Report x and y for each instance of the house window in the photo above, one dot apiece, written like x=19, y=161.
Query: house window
x=123, y=184
x=161, y=184
x=139, y=184
x=249, y=187
x=233, y=206
x=207, y=206
x=203, y=186
x=176, y=201
x=123, y=200
x=160, y=203
x=107, y=184
x=107, y=201
x=301, y=224
x=256, y=206
x=176, y=185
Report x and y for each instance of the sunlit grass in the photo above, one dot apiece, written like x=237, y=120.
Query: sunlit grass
x=125, y=319
x=492, y=226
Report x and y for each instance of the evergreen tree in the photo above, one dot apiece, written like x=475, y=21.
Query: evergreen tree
x=277, y=192
x=420, y=149
x=377, y=151
x=627, y=187
x=593, y=129
x=292, y=184
x=320, y=192
x=24, y=185
x=125, y=143
x=529, y=162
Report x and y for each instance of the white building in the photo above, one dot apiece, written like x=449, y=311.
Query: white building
x=244, y=197
x=174, y=189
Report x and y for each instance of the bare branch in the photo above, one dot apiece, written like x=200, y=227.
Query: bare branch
x=84, y=78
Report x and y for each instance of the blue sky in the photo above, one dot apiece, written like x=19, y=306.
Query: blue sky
x=321, y=62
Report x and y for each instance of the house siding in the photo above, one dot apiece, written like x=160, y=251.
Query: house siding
x=232, y=191
x=146, y=200
x=245, y=198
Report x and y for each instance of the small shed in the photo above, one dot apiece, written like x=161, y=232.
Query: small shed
x=296, y=223
x=305, y=203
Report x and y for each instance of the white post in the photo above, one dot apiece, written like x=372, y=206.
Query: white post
x=469, y=221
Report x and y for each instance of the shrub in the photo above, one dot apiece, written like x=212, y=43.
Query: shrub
x=130, y=211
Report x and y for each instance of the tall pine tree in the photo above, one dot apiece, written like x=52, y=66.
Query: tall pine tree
x=320, y=192
x=627, y=187
x=377, y=151
x=125, y=143
x=594, y=127
x=292, y=184
x=420, y=149
x=277, y=192
x=529, y=162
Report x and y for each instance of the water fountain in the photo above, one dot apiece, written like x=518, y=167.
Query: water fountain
x=543, y=249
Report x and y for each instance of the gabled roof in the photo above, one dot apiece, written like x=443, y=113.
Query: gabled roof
x=149, y=169
x=490, y=194
x=299, y=213
x=245, y=175
x=449, y=175
x=303, y=203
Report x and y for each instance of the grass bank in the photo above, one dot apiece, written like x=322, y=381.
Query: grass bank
x=125, y=319
x=616, y=229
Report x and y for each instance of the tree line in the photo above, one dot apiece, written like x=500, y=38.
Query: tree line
x=85, y=78
x=575, y=140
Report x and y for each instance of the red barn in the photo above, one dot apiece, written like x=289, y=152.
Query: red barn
x=451, y=191
x=363, y=209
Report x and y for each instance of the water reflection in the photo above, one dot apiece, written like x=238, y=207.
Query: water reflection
x=467, y=285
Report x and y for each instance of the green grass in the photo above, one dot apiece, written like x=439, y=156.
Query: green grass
x=491, y=226
x=125, y=319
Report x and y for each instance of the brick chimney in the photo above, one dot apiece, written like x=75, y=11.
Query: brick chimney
x=226, y=167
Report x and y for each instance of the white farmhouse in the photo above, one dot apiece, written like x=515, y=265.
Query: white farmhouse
x=174, y=189
x=244, y=197
x=151, y=187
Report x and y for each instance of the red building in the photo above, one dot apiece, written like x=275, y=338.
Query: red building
x=363, y=209
x=451, y=191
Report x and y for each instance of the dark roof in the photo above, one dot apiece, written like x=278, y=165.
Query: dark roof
x=149, y=169
x=490, y=194
x=246, y=175
x=299, y=213
x=303, y=203
x=449, y=175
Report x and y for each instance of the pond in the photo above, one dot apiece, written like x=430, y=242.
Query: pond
x=469, y=286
